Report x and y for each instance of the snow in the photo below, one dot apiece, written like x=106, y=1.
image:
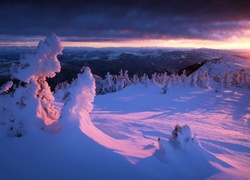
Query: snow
x=120, y=139
x=135, y=133
x=43, y=62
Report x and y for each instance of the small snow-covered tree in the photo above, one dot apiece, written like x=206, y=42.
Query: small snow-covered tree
x=219, y=82
x=153, y=78
x=199, y=79
x=135, y=79
x=162, y=78
x=235, y=79
x=182, y=137
x=107, y=85
x=120, y=82
x=127, y=80
x=206, y=79
x=165, y=88
x=145, y=80
x=193, y=79
x=98, y=81
x=185, y=80
x=226, y=79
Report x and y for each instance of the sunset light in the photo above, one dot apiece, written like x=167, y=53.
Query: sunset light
x=236, y=43
x=163, y=43
x=209, y=24
x=124, y=90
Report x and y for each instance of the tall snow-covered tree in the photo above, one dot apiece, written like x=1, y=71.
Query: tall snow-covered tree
x=33, y=69
x=82, y=93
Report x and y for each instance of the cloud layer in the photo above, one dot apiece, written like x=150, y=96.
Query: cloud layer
x=133, y=19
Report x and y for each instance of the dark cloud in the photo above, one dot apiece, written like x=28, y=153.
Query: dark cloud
x=109, y=20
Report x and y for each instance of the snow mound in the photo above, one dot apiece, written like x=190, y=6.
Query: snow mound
x=184, y=152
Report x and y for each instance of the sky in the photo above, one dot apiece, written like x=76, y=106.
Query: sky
x=223, y=24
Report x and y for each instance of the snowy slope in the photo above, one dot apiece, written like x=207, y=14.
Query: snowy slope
x=226, y=62
x=130, y=134
x=122, y=141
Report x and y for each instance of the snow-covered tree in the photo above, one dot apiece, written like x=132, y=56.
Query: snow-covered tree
x=145, y=80
x=127, y=80
x=199, y=80
x=153, y=77
x=165, y=87
x=219, y=82
x=32, y=70
x=182, y=137
x=206, y=79
x=226, y=79
x=235, y=79
x=135, y=79
x=120, y=82
x=107, y=84
x=82, y=93
x=42, y=63
x=193, y=79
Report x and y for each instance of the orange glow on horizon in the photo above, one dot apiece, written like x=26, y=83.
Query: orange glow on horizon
x=167, y=43
x=232, y=43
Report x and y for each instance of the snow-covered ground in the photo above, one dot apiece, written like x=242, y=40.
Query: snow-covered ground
x=135, y=133
x=122, y=141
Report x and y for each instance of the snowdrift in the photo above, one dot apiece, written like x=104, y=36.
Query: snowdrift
x=130, y=134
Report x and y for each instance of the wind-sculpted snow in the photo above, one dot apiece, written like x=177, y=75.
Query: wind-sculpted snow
x=134, y=113
x=130, y=134
x=79, y=103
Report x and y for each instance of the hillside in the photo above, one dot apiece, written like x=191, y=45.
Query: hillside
x=186, y=127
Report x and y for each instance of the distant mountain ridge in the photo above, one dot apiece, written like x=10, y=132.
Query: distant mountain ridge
x=135, y=60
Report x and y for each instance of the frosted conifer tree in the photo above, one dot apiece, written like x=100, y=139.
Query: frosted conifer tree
x=82, y=93
x=165, y=88
x=226, y=79
x=235, y=79
x=153, y=79
x=193, y=79
x=219, y=79
x=135, y=79
x=120, y=84
x=199, y=80
x=163, y=78
x=107, y=84
x=33, y=70
x=184, y=79
x=127, y=80
x=205, y=79
x=145, y=80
